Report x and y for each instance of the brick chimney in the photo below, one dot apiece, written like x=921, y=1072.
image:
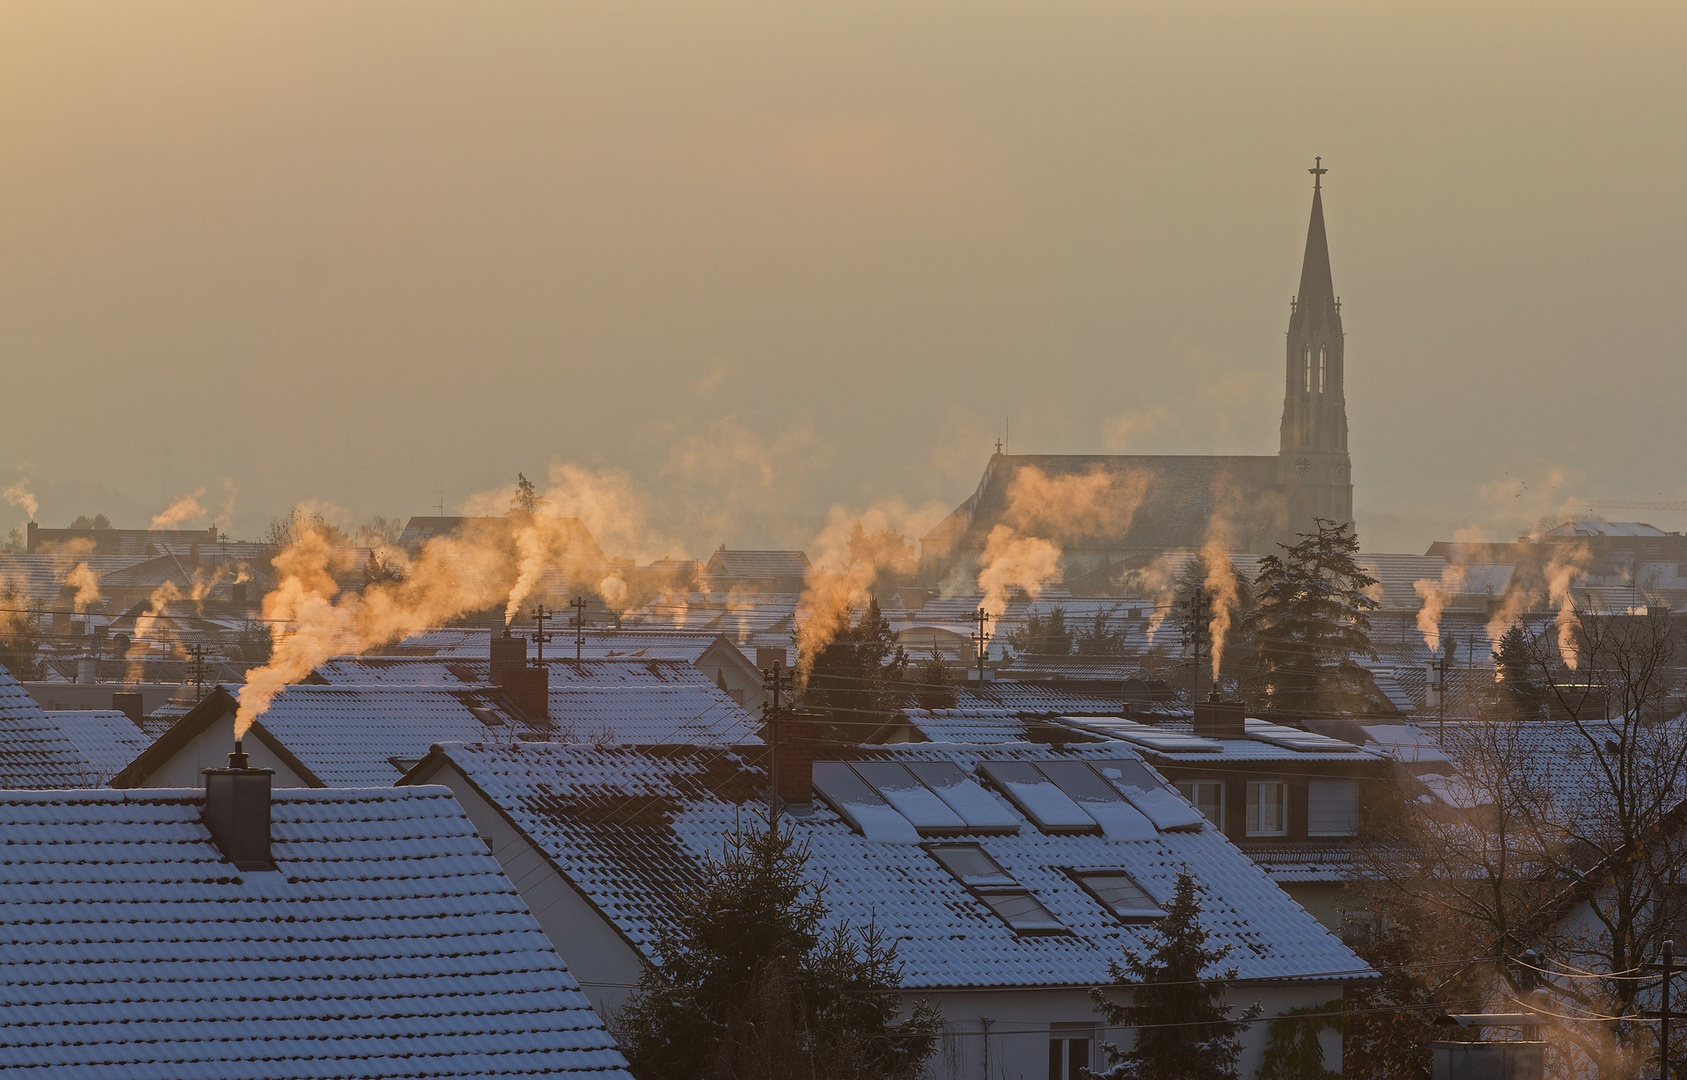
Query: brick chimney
x=793, y=761
x=1216, y=719
x=237, y=811
x=529, y=689
x=508, y=652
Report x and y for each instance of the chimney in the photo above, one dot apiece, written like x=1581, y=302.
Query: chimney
x=508, y=653
x=1216, y=719
x=793, y=761
x=528, y=688
x=29, y=544
x=87, y=669
x=237, y=594
x=237, y=811
x=128, y=702
x=774, y=656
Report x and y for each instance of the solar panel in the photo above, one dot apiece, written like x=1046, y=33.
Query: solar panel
x=981, y=810
x=1169, y=811
x=1295, y=739
x=1168, y=742
x=1119, y=820
x=860, y=805
x=1038, y=798
x=912, y=799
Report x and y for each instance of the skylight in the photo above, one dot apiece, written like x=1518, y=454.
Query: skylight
x=1038, y=798
x=1119, y=820
x=860, y=805
x=985, y=879
x=912, y=799
x=981, y=810
x=1119, y=893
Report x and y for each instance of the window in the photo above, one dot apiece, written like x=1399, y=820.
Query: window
x=1120, y=894
x=1306, y=367
x=1268, y=808
x=1323, y=367
x=1332, y=807
x=1069, y=1050
x=985, y=879
x=1207, y=796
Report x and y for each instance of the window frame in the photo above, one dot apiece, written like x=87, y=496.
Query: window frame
x=998, y=890
x=1193, y=797
x=1061, y=1038
x=1352, y=786
x=1080, y=875
x=1254, y=825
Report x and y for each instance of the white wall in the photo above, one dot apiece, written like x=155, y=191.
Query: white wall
x=210, y=750
x=598, y=957
x=1019, y=1024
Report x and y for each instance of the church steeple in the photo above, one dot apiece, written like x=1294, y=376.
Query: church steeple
x=1313, y=465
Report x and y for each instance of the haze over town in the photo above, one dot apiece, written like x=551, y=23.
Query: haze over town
x=764, y=261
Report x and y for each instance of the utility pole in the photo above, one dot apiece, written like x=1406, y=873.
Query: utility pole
x=1667, y=966
x=774, y=679
x=1200, y=617
x=1438, y=683
x=540, y=618
x=579, y=606
x=981, y=639
x=198, y=652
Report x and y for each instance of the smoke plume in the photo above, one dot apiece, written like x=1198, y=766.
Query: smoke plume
x=1435, y=595
x=1221, y=587
x=1063, y=508
x=1561, y=573
x=186, y=508
x=87, y=584
x=18, y=494
x=1010, y=562
x=852, y=554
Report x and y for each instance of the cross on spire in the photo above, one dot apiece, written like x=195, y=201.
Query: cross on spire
x=1318, y=172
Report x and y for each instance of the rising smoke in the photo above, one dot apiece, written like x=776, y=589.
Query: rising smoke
x=1436, y=594
x=18, y=494
x=185, y=508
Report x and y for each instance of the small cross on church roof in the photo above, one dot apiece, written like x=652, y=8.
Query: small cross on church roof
x=1317, y=172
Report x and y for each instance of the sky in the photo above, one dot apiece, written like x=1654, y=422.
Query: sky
x=753, y=261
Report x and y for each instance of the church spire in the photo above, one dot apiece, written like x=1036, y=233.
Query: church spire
x=1317, y=293
x=1312, y=459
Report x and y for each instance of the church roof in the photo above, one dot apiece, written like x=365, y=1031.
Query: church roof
x=1148, y=501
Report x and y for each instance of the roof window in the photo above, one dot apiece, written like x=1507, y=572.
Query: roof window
x=985, y=879
x=1119, y=893
x=902, y=801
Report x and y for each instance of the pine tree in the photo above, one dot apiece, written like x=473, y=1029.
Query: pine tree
x=20, y=649
x=526, y=501
x=750, y=986
x=1043, y=635
x=1311, y=619
x=934, y=683
x=1100, y=638
x=1513, y=662
x=1184, y=1031
x=857, y=677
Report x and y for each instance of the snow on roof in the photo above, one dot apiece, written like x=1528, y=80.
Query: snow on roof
x=1033, y=698
x=40, y=576
x=756, y=564
x=1605, y=528
x=970, y=725
x=469, y=643
x=105, y=738
x=34, y=752
x=1175, y=742
x=622, y=700
x=631, y=829
x=387, y=943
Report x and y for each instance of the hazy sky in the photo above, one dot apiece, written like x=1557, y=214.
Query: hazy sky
x=767, y=258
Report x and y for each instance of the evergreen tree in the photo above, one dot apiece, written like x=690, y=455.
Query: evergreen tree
x=750, y=985
x=1311, y=619
x=934, y=683
x=1043, y=635
x=1100, y=638
x=1292, y=1049
x=1520, y=690
x=20, y=648
x=526, y=501
x=856, y=678
x=1184, y=1030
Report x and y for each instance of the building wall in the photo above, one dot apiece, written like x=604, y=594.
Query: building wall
x=1004, y=1034
x=209, y=750
x=604, y=964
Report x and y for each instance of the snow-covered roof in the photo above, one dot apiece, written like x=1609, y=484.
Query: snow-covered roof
x=970, y=725
x=34, y=752
x=387, y=943
x=621, y=700
x=1605, y=528
x=105, y=738
x=756, y=564
x=469, y=643
x=349, y=736
x=1176, y=742
x=631, y=828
